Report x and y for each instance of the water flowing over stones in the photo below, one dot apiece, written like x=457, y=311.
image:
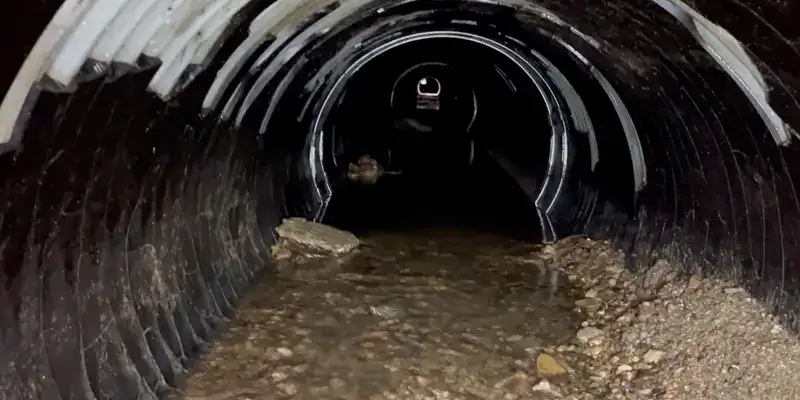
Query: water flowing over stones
x=458, y=315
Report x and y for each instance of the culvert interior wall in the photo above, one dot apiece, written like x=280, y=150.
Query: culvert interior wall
x=134, y=219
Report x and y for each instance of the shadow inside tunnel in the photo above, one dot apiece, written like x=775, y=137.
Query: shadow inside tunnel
x=478, y=197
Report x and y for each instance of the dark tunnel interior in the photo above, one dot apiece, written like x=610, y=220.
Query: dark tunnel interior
x=142, y=181
x=438, y=150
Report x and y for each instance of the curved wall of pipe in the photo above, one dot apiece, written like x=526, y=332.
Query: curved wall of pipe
x=142, y=182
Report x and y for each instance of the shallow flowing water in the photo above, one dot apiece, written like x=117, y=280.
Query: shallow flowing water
x=444, y=314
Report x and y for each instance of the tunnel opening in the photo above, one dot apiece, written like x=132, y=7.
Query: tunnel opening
x=442, y=117
x=507, y=117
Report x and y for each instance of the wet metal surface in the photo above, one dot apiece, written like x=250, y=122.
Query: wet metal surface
x=410, y=315
x=110, y=189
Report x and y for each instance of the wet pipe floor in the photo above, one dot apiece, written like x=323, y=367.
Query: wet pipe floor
x=462, y=315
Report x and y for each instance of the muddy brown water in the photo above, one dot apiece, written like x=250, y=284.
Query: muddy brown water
x=439, y=314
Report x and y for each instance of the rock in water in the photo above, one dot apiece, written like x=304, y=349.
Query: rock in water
x=317, y=238
x=548, y=367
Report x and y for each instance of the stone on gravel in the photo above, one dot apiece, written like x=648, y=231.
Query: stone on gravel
x=548, y=367
x=587, y=334
x=653, y=356
x=317, y=238
x=694, y=282
x=543, y=386
x=592, y=294
x=285, y=352
x=588, y=303
x=660, y=273
x=734, y=290
x=623, y=368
